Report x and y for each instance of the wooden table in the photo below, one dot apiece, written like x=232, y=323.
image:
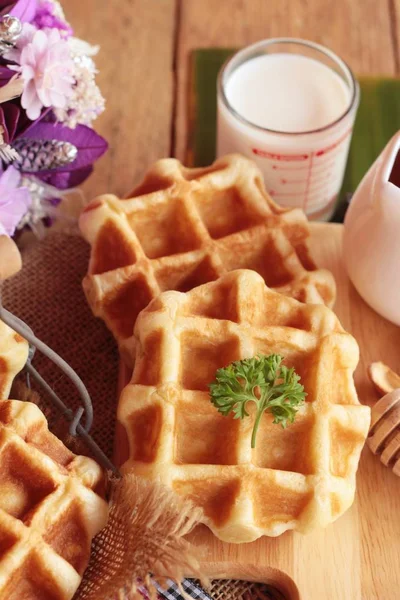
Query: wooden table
x=144, y=62
x=144, y=59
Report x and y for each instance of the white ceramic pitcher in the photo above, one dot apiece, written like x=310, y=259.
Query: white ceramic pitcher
x=372, y=234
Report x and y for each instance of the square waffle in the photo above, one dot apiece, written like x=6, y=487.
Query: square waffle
x=13, y=356
x=298, y=478
x=49, y=508
x=184, y=227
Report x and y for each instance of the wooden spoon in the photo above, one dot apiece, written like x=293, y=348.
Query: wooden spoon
x=384, y=433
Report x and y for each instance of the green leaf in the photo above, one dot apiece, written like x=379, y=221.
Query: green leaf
x=264, y=380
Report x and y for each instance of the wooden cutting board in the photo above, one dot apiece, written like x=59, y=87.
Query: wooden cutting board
x=358, y=556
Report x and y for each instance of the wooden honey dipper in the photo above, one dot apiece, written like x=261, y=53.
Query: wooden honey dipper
x=384, y=433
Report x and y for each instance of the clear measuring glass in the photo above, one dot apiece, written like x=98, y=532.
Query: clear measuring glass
x=301, y=168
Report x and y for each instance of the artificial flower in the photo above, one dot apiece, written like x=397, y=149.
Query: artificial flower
x=86, y=102
x=8, y=154
x=14, y=200
x=43, y=207
x=24, y=10
x=48, y=95
x=46, y=68
x=50, y=15
x=25, y=38
x=14, y=122
x=89, y=144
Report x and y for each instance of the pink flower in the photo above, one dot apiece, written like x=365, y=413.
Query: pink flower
x=26, y=37
x=51, y=16
x=46, y=68
x=14, y=200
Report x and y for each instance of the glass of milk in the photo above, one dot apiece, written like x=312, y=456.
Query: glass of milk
x=290, y=105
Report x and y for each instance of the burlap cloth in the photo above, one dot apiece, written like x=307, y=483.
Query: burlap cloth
x=47, y=294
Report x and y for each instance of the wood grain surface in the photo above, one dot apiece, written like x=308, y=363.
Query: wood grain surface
x=360, y=31
x=136, y=77
x=357, y=557
x=144, y=75
x=144, y=61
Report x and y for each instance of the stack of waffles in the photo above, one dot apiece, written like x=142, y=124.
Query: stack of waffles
x=184, y=227
x=49, y=508
x=197, y=269
x=51, y=502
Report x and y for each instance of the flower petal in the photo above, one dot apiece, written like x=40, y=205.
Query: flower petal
x=24, y=9
x=29, y=94
x=33, y=108
x=44, y=96
x=47, y=68
x=40, y=41
x=10, y=178
x=14, y=201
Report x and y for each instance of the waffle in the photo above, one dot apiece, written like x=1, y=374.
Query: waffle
x=184, y=227
x=301, y=477
x=13, y=356
x=49, y=509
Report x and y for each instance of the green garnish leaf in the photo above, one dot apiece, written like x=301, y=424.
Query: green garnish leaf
x=264, y=380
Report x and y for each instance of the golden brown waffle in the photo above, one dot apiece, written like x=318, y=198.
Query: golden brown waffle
x=49, y=508
x=13, y=356
x=300, y=477
x=184, y=227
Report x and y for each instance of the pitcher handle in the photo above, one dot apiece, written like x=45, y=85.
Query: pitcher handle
x=385, y=195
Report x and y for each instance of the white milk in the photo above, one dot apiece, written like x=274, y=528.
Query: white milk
x=293, y=115
x=287, y=92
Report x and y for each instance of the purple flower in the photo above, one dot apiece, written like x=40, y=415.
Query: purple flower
x=23, y=9
x=58, y=78
x=14, y=201
x=47, y=18
x=90, y=147
x=46, y=67
x=14, y=121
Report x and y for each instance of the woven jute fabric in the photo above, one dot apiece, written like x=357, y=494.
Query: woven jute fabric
x=47, y=294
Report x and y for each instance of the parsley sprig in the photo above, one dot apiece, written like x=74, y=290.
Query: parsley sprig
x=264, y=380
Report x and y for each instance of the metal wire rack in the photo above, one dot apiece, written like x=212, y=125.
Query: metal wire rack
x=80, y=424
x=85, y=411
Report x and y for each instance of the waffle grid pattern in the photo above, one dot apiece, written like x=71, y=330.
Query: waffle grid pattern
x=49, y=511
x=184, y=227
x=298, y=478
x=13, y=356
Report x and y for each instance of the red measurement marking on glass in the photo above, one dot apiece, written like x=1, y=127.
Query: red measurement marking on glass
x=334, y=145
x=318, y=166
x=317, y=176
x=308, y=182
x=291, y=158
x=285, y=157
x=284, y=168
x=333, y=151
x=290, y=181
x=332, y=157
